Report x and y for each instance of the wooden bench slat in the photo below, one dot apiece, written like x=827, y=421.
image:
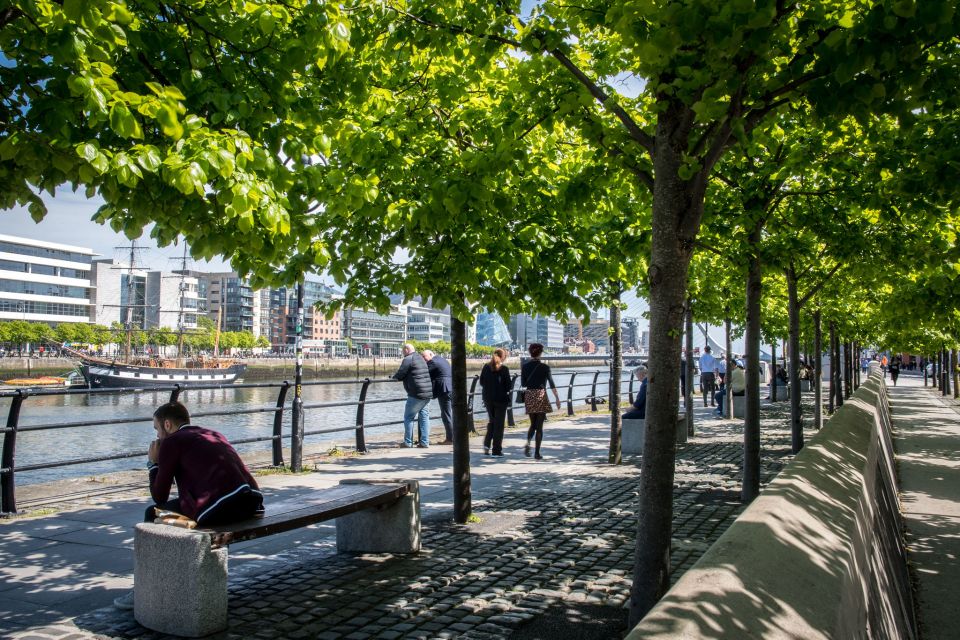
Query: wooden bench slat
x=293, y=514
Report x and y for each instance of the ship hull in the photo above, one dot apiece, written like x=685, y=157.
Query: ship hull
x=127, y=376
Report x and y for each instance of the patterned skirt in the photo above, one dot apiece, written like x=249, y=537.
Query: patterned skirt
x=535, y=401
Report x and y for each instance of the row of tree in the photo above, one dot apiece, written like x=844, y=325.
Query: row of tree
x=770, y=163
x=16, y=334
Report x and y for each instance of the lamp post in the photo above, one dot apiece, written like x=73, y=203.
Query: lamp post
x=296, y=442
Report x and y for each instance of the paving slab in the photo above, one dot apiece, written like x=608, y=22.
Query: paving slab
x=927, y=439
x=554, y=543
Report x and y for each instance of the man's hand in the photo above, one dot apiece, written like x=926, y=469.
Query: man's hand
x=153, y=454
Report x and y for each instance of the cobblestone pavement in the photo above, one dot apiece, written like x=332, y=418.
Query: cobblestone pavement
x=548, y=559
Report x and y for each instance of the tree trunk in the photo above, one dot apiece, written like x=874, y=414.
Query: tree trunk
x=793, y=311
x=856, y=365
x=773, y=379
x=616, y=369
x=817, y=371
x=688, y=370
x=751, y=400
x=462, y=506
x=832, y=395
x=946, y=371
x=677, y=212
x=838, y=387
x=848, y=365
x=728, y=400
x=953, y=373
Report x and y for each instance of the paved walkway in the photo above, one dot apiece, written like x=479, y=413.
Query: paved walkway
x=551, y=556
x=927, y=440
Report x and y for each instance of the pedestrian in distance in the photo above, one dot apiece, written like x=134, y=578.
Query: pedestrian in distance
x=415, y=375
x=214, y=487
x=894, y=371
x=441, y=378
x=534, y=376
x=639, y=409
x=708, y=370
x=497, y=386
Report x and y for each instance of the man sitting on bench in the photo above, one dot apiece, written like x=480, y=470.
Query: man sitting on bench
x=213, y=485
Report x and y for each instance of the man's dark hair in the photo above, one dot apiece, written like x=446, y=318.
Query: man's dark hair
x=175, y=412
x=535, y=349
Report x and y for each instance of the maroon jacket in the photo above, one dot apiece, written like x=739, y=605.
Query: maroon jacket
x=205, y=466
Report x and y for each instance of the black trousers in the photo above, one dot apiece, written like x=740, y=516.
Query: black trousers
x=237, y=507
x=497, y=413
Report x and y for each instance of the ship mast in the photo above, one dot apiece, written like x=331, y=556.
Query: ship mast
x=131, y=292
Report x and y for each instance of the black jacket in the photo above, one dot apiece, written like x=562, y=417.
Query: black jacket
x=535, y=375
x=415, y=376
x=497, y=385
x=441, y=376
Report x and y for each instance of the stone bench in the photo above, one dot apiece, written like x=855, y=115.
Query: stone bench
x=180, y=574
x=633, y=434
x=739, y=406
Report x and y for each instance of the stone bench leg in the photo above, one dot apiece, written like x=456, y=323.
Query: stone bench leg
x=179, y=582
x=739, y=406
x=387, y=529
x=633, y=435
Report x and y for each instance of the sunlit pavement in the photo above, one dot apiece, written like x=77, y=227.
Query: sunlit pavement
x=551, y=555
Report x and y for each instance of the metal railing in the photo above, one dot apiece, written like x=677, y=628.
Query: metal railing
x=9, y=469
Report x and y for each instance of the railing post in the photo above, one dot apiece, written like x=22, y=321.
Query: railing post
x=473, y=387
x=175, y=394
x=632, y=377
x=593, y=392
x=513, y=384
x=8, y=497
x=278, y=425
x=361, y=442
x=570, y=394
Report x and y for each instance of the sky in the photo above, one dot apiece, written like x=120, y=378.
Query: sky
x=69, y=221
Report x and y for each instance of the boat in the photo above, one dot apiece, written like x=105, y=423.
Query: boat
x=69, y=379
x=155, y=372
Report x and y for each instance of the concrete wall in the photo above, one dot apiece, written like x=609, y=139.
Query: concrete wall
x=818, y=555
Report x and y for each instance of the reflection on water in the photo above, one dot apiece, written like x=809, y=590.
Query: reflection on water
x=135, y=435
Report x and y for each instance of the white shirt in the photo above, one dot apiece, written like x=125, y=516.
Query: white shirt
x=708, y=364
x=721, y=365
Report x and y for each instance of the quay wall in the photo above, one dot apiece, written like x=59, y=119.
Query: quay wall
x=819, y=554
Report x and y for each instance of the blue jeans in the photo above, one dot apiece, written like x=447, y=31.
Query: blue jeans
x=416, y=408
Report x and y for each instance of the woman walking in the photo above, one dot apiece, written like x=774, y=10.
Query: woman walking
x=534, y=375
x=496, y=383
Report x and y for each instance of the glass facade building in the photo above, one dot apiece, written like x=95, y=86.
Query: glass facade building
x=44, y=281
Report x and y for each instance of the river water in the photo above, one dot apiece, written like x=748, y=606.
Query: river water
x=134, y=435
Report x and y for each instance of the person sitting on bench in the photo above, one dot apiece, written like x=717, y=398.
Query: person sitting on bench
x=639, y=410
x=214, y=487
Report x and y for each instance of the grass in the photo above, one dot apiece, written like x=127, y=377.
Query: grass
x=281, y=471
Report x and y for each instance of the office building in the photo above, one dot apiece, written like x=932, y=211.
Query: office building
x=119, y=294
x=172, y=301
x=425, y=324
x=491, y=330
x=44, y=281
x=231, y=299
x=375, y=334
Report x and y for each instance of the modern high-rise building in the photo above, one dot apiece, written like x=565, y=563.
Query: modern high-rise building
x=425, y=324
x=231, y=298
x=375, y=334
x=630, y=330
x=492, y=330
x=325, y=334
x=527, y=329
x=172, y=301
x=119, y=294
x=598, y=332
x=43, y=281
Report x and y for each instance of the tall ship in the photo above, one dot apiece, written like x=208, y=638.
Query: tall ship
x=150, y=370
x=155, y=372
